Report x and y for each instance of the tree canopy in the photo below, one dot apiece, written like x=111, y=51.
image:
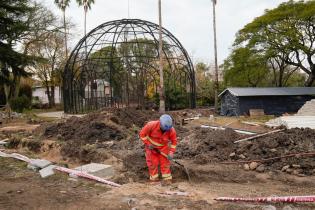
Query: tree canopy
x=14, y=24
x=286, y=32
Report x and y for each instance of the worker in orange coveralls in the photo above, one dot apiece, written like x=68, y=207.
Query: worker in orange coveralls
x=160, y=142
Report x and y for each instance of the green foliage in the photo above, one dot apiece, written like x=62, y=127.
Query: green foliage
x=20, y=103
x=245, y=68
x=297, y=79
x=88, y=3
x=288, y=32
x=62, y=4
x=24, y=90
x=204, y=85
x=176, y=96
x=112, y=63
x=14, y=24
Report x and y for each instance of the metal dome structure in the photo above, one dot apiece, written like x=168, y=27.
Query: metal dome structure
x=117, y=65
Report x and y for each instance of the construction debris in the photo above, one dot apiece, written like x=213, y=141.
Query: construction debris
x=86, y=175
x=48, y=171
x=96, y=169
x=40, y=163
x=308, y=109
x=223, y=128
x=293, y=122
x=257, y=136
x=253, y=163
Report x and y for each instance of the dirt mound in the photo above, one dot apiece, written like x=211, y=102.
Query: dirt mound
x=293, y=141
x=132, y=116
x=85, y=138
x=207, y=145
x=90, y=129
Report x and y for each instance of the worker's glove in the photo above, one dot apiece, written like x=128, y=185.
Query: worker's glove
x=170, y=156
x=151, y=147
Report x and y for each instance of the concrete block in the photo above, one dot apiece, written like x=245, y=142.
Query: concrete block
x=48, y=171
x=96, y=169
x=32, y=167
x=40, y=163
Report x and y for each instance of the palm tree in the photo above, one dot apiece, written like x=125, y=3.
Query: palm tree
x=86, y=5
x=161, y=92
x=63, y=4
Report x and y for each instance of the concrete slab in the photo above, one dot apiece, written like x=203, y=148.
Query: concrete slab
x=40, y=163
x=31, y=167
x=96, y=169
x=48, y=171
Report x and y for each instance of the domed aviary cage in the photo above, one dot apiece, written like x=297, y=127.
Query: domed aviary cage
x=117, y=65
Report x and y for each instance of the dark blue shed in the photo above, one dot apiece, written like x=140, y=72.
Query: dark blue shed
x=274, y=101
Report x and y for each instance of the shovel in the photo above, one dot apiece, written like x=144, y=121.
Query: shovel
x=176, y=162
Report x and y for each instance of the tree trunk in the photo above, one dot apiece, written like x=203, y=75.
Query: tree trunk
x=281, y=73
x=48, y=95
x=7, y=94
x=52, y=95
x=17, y=84
x=310, y=80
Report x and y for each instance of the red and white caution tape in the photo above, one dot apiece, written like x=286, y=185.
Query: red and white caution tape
x=62, y=169
x=286, y=199
x=16, y=156
x=87, y=176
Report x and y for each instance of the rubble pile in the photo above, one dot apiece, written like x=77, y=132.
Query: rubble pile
x=293, y=141
x=205, y=145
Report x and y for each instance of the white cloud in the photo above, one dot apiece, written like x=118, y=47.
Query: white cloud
x=189, y=20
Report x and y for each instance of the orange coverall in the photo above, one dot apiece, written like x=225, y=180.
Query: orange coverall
x=152, y=134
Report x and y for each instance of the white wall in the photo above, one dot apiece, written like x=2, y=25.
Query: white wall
x=41, y=93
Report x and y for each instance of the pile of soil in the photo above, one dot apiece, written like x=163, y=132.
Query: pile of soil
x=84, y=139
x=207, y=145
x=90, y=129
x=293, y=141
x=129, y=117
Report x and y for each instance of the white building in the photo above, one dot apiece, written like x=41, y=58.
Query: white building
x=41, y=93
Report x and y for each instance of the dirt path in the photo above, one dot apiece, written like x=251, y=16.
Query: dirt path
x=24, y=189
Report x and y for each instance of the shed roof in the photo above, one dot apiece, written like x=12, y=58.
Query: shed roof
x=283, y=91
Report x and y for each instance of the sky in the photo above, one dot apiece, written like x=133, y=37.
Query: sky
x=189, y=20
